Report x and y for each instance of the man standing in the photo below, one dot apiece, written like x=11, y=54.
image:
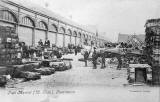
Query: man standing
x=86, y=55
x=40, y=43
x=47, y=43
x=94, y=59
x=103, y=64
x=76, y=50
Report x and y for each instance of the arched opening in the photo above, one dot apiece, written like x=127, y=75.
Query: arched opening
x=52, y=33
x=86, y=39
x=73, y=38
x=83, y=38
x=26, y=30
x=68, y=37
x=28, y=21
x=54, y=28
x=62, y=30
x=79, y=38
x=84, y=35
x=89, y=38
x=42, y=25
x=41, y=31
x=8, y=18
x=61, y=37
x=69, y=32
x=74, y=33
x=79, y=34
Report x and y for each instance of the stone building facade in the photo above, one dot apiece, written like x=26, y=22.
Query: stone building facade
x=34, y=23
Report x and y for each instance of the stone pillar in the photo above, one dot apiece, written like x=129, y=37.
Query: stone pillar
x=64, y=40
x=57, y=34
x=33, y=37
x=46, y=36
x=47, y=29
x=17, y=25
x=75, y=41
x=70, y=39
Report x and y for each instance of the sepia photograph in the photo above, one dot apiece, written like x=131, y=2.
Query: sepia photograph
x=79, y=50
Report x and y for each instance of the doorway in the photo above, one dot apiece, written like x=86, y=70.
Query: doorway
x=140, y=75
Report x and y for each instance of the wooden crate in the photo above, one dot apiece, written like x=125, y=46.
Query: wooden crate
x=7, y=50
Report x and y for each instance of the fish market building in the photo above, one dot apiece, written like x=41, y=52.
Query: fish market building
x=33, y=23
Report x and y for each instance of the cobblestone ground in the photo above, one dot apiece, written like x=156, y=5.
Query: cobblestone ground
x=81, y=84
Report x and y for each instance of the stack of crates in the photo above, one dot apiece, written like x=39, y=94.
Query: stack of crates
x=153, y=47
x=8, y=41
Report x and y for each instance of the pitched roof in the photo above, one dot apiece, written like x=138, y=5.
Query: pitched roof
x=126, y=37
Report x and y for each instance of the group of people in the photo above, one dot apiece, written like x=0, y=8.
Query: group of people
x=46, y=43
x=56, y=53
x=94, y=58
x=25, y=53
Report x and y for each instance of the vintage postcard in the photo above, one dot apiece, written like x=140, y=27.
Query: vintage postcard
x=79, y=50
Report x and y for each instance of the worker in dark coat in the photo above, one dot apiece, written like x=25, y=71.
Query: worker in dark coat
x=40, y=43
x=76, y=50
x=103, y=64
x=119, y=62
x=47, y=43
x=86, y=55
x=46, y=54
x=94, y=59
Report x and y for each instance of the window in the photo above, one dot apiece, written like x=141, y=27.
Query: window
x=87, y=36
x=83, y=35
x=74, y=33
x=69, y=32
x=7, y=15
x=42, y=25
x=79, y=34
x=62, y=30
x=53, y=28
x=27, y=21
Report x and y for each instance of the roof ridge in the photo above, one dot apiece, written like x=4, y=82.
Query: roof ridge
x=50, y=13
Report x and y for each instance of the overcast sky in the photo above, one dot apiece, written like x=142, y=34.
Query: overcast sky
x=110, y=16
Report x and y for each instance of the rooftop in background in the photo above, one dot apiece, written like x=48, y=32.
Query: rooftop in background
x=47, y=12
x=126, y=37
x=152, y=22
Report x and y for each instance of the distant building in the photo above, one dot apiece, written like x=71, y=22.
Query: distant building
x=135, y=40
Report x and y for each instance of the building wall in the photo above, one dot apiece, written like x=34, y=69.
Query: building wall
x=32, y=26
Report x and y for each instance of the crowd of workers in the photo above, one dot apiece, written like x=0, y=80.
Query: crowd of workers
x=94, y=58
x=127, y=57
x=46, y=51
x=43, y=50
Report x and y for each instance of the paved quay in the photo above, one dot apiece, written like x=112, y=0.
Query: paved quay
x=81, y=84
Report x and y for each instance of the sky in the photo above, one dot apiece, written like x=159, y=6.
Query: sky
x=109, y=16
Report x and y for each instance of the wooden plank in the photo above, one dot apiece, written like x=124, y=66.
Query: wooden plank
x=139, y=66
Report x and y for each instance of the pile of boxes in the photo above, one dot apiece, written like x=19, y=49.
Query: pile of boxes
x=153, y=47
x=8, y=42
